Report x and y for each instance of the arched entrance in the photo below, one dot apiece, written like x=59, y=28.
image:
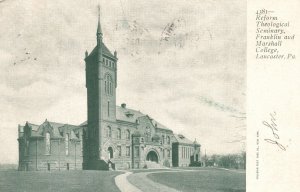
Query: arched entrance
x=152, y=156
x=110, y=153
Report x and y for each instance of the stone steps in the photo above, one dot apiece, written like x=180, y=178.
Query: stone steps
x=154, y=165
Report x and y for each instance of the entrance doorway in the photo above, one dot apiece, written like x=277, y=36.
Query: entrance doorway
x=110, y=153
x=152, y=156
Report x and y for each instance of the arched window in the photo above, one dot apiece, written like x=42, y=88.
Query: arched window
x=108, y=85
x=108, y=133
x=67, y=143
x=110, y=152
x=118, y=133
x=48, y=146
x=163, y=139
x=127, y=134
x=168, y=139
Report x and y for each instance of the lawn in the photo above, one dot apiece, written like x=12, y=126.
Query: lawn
x=67, y=181
x=206, y=180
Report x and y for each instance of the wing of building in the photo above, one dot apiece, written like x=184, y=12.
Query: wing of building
x=113, y=137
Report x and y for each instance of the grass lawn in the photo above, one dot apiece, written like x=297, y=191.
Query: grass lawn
x=208, y=180
x=89, y=181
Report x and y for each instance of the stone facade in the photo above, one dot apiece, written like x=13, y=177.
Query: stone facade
x=50, y=146
x=113, y=137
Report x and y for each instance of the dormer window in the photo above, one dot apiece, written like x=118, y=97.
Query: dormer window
x=181, y=136
x=129, y=114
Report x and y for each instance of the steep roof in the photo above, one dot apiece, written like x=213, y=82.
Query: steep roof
x=124, y=114
x=128, y=115
x=131, y=115
x=105, y=51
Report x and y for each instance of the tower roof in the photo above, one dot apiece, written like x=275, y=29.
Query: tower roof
x=105, y=51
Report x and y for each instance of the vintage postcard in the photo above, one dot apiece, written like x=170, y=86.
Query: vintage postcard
x=148, y=96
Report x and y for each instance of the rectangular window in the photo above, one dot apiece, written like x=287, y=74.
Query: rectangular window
x=67, y=143
x=119, y=151
x=128, y=151
x=136, y=151
x=48, y=144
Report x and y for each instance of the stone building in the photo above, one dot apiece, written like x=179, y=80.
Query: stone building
x=113, y=137
x=50, y=146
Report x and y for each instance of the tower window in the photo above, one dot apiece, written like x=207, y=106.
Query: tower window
x=108, y=84
x=108, y=133
x=108, y=108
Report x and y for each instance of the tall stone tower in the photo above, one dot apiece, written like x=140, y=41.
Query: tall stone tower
x=101, y=83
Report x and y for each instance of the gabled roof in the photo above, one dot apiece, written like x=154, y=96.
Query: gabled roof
x=57, y=128
x=158, y=125
x=182, y=139
x=131, y=115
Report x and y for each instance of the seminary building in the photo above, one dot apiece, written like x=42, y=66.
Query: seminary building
x=113, y=137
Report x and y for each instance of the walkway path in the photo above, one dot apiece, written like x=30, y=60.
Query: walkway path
x=147, y=185
x=123, y=184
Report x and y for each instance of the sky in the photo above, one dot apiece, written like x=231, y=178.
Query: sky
x=181, y=62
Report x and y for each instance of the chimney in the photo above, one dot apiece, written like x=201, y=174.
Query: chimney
x=123, y=105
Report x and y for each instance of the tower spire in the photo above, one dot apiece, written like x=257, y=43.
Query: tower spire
x=99, y=30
